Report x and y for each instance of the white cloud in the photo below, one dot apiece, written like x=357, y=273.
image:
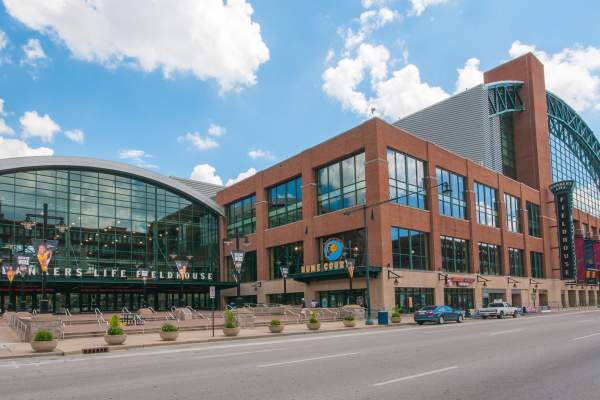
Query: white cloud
x=468, y=76
x=4, y=128
x=137, y=158
x=211, y=39
x=572, y=73
x=199, y=142
x=75, y=135
x=3, y=44
x=34, y=125
x=33, y=53
x=394, y=96
x=241, y=176
x=216, y=130
x=17, y=148
x=206, y=173
x=257, y=153
x=419, y=6
x=369, y=21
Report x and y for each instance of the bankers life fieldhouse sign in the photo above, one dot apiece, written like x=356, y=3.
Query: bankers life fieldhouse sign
x=563, y=199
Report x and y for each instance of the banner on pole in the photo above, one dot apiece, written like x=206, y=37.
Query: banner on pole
x=44, y=250
x=212, y=292
x=238, y=259
x=182, y=266
x=350, y=267
x=9, y=272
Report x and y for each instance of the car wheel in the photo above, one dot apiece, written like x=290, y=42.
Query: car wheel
x=459, y=319
x=441, y=320
x=420, y=322
x=501, y=315
x=515, y=315
x=484, y=317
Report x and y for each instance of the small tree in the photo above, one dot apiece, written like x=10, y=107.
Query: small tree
x=229, y=319
x=114, y=326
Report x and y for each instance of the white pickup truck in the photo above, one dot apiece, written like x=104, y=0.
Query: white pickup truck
x=498, y=309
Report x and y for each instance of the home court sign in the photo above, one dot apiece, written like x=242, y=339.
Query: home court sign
x=332, y=266
x=563, y=200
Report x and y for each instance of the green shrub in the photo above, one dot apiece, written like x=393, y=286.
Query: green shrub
x=275, y=322
x=396, y=312
x=168, y=328
x=114, y=322
x=349, y=317
x=115, y=331
x=229, y=319
x=43, y=336
x=313, y=318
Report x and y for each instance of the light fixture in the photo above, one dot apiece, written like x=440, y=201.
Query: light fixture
x=396, y=282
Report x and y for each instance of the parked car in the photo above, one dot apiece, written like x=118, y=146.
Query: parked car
x=438, y=314
x=498, y=309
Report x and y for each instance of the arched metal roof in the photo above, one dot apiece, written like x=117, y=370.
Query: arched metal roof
x=8, y=165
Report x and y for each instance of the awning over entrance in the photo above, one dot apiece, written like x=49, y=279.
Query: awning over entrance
x=342, y=273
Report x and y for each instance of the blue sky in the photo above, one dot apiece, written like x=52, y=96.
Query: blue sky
x=226, y=90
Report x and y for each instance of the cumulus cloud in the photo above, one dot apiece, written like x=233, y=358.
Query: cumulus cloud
x=42, y=127
x=241, y=176
x=206, y=173
x=33, y=53
x=468, y=76
x=3, y=44
x=76, y=135
x=419, y=6
x=216, y=130
x=210, y=39
x=198, y=141
x=572, y=73
x=369, y=21
x=4, y=128
x=137, y=157
x=257, y=153
x=17, y=148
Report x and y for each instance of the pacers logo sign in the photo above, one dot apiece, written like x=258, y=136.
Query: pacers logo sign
x=333, y=249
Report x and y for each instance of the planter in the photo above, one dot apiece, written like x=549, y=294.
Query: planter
x=231, y=331
x=113, y=340
x=45, y=346
x=276, y=328
x=169, y=336
x=313, y=326
x=396, y=320
x=349, y=324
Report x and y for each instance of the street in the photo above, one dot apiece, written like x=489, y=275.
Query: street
x=553, y=356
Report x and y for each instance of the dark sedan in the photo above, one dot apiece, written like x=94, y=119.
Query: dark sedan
x=438, y=314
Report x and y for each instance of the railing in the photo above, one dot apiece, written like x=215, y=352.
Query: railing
x=171, y=317
x=100, y=317
x=68, y=315
x=20, y=327
x=124, y=310
x=295, y=316
x=34, y=312
x=198, y=313
x=152, y=310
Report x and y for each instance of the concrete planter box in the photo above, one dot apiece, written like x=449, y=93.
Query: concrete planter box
x=113, y=340
x=396, y=320
x=313, y=326
x=231, y=331
x=276, y=328
x=169, y=336
x=44, y=346
x=349, y=324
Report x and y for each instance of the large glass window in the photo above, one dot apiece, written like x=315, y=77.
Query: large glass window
x=241, y=216
x=354, y=245
x=410, y=249
x=513, y=218
x=533, y=220
x=455, y=254
x=460, y=298
x=285, y=202
x=410, y=299
x=515, y=262
x=537, y=264
x=341, y=184
x=507, y=139
x=486, y=205
x=113, y=221
x=406, y=175
x=290, y=255
x=453, y=203
x=489, y=259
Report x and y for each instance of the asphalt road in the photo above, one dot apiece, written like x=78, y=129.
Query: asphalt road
x=554, y=356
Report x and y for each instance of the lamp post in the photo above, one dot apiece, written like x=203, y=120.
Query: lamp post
x=9, y=271
x=284, y=270
x=237, y=257
x=144, y=272
x=181, y=264
x=23, y=263
x=364, y=208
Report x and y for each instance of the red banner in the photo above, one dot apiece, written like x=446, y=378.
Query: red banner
x=580, y=257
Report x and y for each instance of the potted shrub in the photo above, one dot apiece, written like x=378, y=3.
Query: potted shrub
x=349, y=321
x=43, y=341
x=396, y=318
x=275, y=326
x=313, y=323
x=230, y=328
x=115, y=334
x=169, y=332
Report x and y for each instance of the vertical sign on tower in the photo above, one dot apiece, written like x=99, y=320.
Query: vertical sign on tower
x=563, y=199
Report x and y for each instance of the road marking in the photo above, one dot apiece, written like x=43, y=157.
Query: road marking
x=406, y=378
x=586, y=336
x=239, y=353
x=583, y=320
x=504, y=332
x=307, y=359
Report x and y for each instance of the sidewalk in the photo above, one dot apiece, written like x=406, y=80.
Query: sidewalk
x=15, y=349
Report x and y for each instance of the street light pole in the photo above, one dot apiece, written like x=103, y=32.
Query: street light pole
x=44, y=302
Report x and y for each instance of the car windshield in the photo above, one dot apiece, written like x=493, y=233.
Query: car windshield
x=496, y=305
x=428, y=308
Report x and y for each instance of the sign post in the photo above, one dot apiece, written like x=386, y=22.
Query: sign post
x=284, y=274
x=350, y=269
x=212, y=296
x=23, y=263
x=238, y=260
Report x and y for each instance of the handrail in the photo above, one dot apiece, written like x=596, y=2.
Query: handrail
x=152, y=310
x=170, y=316
x=21, y=328
x=34, y=312
x=68, y=315
x=124, y=310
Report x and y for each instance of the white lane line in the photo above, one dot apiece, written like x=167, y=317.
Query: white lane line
x=505, y=332
x=307, y=359
x=581, y=321
x=586, y=336
x=239, y=353
x=406, y=378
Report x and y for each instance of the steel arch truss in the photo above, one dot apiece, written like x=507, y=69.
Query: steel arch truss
x=503, y=97
x=563, y=121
